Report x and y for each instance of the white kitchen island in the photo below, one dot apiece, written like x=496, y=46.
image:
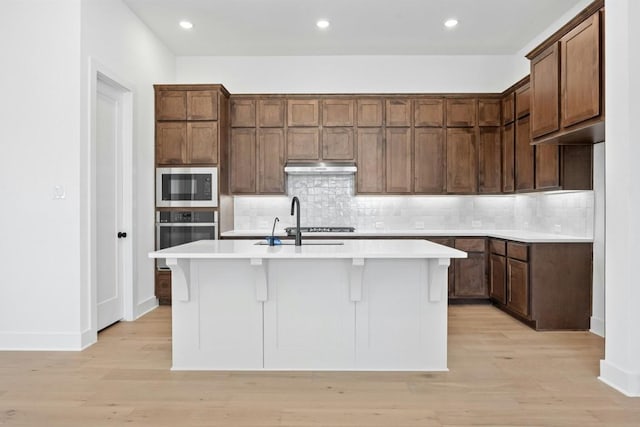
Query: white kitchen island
x=326, y=305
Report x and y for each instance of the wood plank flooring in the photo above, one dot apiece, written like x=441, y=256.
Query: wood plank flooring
x=501, y=374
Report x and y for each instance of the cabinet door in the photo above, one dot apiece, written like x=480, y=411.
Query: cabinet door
x=243, y=113
x=518, y=286
x=428, y=112
x=243, y=161
x=461, y=112
x=302, y=112
x=303, y=144
x=337, y=144
x=580, y=68
x=508, y=158
x=171, y=143
x=202, y=105
x=462, y=161
x=498, y=278
x=489, y=161
x=524, y=155
x=488, y=112
x=430, y=158
x=544, y=86
x=370, y=175
x=202, y=143
x=271, y=113
x=508, y=108
x=163, y=287
x=369, y=112
x=470, y=279
x=547, y=167
x=523, y=101
x=171, y=105
x=399, y=168
x=271, y=161
x=337, y=112
x=398, y=112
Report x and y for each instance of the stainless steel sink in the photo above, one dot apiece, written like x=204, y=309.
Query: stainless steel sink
x=304, y=243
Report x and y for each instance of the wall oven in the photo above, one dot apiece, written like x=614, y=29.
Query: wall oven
x=195, y=187
x=178, y=227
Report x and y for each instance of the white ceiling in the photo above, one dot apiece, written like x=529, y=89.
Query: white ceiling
x=358, y=27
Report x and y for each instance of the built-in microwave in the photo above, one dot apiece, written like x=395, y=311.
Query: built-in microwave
x=195, y=187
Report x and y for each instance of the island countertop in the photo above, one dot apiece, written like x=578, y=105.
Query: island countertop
x=332, y=249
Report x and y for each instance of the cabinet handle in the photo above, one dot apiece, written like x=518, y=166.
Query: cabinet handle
x=509, y=281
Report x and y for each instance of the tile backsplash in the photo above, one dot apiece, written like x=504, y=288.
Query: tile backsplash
x=330, y=200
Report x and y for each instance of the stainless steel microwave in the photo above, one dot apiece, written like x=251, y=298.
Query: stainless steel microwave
x=195, y=187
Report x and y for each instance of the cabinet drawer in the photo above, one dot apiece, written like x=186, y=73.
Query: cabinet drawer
x=517, y=251
x=470, y=245
x=498, y=246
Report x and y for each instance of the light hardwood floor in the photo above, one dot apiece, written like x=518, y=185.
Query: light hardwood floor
x=501, y=373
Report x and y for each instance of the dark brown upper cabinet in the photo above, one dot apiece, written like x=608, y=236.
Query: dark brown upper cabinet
x=489, y=161
x=271, y=147
x=243, y=113
x=302, y=112
x=370, y=112
x=508, y=108
x=171, y=143
x=523, y=101
x=545, y=99
x=489, y=112
x=580, y=72
x=462, y=161
x=243, y=161
x=398, y=112
x=547, y=167
x=428, y=112
x=303, y=144
x=171, y=105
x=524, y=156
x=371, y=167
x=461, y=112
x=337, y=112
x=430, y=158
x=399, y=173
x=202, y=143
x=567, y=72
x=337, y=143
x=202, y=105
x=271, y=113
x=508, y=158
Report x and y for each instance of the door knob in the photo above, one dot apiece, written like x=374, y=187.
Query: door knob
x=121, y=234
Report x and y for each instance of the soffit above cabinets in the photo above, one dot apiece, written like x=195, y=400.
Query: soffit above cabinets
x=358, y=27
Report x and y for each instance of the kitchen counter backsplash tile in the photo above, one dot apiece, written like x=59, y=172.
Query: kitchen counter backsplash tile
x=329, y=200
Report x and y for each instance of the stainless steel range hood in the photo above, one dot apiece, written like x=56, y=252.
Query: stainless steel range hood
x=320, y=168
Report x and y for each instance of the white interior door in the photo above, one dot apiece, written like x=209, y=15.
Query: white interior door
x=109, y=204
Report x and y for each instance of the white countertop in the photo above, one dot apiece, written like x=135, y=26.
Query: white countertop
x=517, y=235
x=357, y=248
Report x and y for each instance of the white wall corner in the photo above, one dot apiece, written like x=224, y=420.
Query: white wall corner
x=597, y=326
x=145, y=307
x=625, y=382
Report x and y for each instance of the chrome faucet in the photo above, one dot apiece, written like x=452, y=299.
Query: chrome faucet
x=295, y=204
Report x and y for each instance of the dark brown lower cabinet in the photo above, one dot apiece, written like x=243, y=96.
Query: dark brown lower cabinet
x=548, y=285
x=498, y=278
x=470, y=273
x=163, y=287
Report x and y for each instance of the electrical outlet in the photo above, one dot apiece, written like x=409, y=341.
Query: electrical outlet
x=419, y=225
x=379, y=225
x=263, y=225
x=557, y=228
x=476, y=223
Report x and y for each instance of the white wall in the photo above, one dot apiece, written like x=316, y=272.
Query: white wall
x=44, y=110
x=40, y=110
x=349, y=74
x=125, y=48
x=621, y=365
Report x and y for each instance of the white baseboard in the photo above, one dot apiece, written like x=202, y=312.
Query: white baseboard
x=41, y=341
x=88, y=337
x=146, y=306
x=597, y=326
x=627, y=383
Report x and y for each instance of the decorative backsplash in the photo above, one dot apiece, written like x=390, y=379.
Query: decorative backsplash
x=329, y=200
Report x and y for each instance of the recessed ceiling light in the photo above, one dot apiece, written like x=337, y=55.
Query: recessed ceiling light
x=323, y=24
x=450, y=23
x=186, y=25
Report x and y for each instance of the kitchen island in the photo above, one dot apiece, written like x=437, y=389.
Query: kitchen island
x=329, y=305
